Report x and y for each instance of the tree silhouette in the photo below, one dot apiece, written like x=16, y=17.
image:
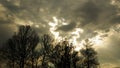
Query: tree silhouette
x=60, y=54
x=46, y=42
x=63, y=55
x=90, y=56
x=22, y=45
x=35, y=58
x=21, y=51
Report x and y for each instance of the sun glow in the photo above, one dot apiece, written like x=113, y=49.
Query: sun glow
x=53, y=28
x=79, y=46
x=76, y=35
x=97, y=41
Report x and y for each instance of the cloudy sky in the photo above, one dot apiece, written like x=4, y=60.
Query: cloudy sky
x=98, y=20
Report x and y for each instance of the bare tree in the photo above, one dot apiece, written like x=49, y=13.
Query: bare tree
x=90, y=56
x=63, y=55
x=22, y=45
x=46, y=42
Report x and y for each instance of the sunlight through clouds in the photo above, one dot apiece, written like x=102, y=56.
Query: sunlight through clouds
x=97, y=41
x=53, y=28
x=74, y=35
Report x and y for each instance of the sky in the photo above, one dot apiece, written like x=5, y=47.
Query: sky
x=76, y=20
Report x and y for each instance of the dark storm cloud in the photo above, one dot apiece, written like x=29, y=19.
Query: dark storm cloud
x=68, y=27
x=116, y=19
x=92, y=15
x=22, y=12
x=10, y=6
x=26, y=10
x=99, y=13
x=89, y=11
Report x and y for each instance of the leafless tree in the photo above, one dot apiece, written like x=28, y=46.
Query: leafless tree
x=21, y=45
x=63, y=55
x=46, y=43
x=90, y=56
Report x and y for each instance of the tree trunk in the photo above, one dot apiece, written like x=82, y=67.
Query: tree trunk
x=32, y=62
x=88, y=63
x=74, y=64
x=22, y=63
x=13, y=65
x=43, y=61
x=36, y=64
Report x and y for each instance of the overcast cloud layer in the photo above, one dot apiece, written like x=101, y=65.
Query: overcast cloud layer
x=94, y=17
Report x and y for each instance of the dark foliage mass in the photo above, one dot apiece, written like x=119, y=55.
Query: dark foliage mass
x=21, y=52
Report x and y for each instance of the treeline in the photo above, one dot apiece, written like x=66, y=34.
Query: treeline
x=22, y=51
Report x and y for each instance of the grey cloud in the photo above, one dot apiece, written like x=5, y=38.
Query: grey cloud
x=117, y=29
x=98, y=13
x=89, y=12
x=10, y=6
x=116, y=19
x=92, y=15
x=105, y=35
x=6, y=31
x=87, y=34
x=5, y=21
x=27, y=10
x=68, y=27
